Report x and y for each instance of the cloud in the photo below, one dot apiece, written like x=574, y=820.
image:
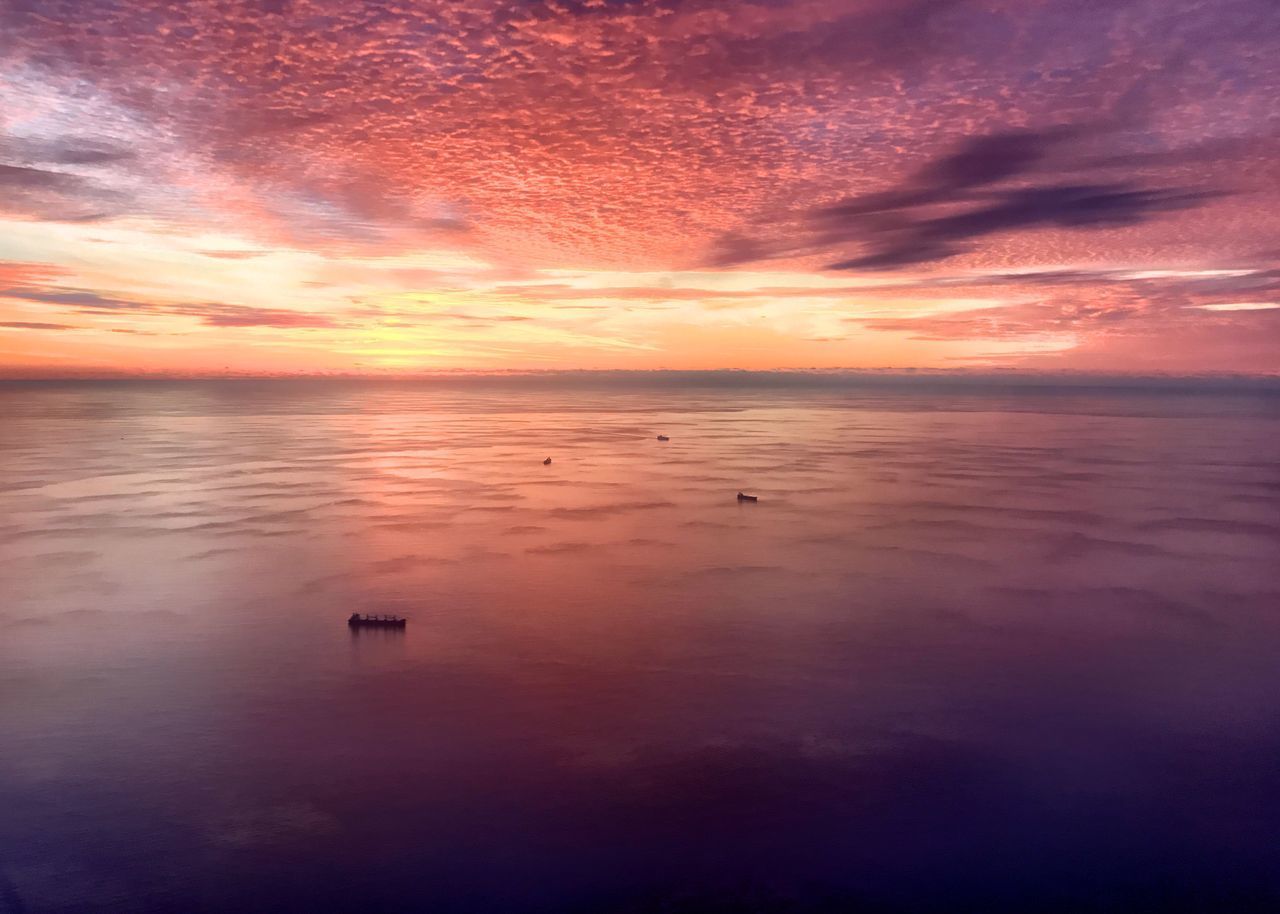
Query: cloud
x=215, y=315
x=612, y=131
x=20, y=177
x=234, y=255
x=1144, y=304
x=34, y=325
x=942, y=209
x=1014, y=321
x=923, y=240
x=978, y=161
x=54, y=195
x=1240, y=306
x=211, y=314
x=80, y=298
x=68, y=149
x=20, y=273
x=473, y=319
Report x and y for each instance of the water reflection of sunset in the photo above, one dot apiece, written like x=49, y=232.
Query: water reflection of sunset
x=607, y=652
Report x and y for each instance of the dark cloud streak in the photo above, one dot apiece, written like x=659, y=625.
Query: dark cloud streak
x=942, y=209
x=211, y=314
x=1083, y=206
x=54, y=195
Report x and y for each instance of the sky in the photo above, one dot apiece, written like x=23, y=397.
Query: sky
x=390, y=187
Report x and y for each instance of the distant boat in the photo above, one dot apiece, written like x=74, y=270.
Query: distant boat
x=369, y=621
x=663, y=438
x=742, y=497
x=546, y=462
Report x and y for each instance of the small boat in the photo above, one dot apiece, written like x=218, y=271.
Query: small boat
x=376, y=621
x=663, y=438
x=546, y=462
x=742, y=497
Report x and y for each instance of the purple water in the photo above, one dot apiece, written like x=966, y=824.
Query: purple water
x=997, y=651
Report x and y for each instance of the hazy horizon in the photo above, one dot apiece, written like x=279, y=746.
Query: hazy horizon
x=943, y=379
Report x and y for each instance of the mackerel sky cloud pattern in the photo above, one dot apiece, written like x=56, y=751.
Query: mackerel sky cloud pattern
x=323, y=186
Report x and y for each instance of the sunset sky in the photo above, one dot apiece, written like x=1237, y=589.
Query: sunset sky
x=327, y=186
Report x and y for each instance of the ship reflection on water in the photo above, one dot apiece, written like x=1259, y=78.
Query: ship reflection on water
x=969, y=651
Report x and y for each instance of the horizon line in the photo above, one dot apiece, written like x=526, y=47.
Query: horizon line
x=793, y=376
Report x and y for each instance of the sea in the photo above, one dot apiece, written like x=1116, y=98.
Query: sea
x=988, y=648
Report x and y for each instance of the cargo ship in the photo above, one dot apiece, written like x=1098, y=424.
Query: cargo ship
x=372, y=621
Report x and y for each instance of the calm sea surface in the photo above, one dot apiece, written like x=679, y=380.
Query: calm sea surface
x=1001, y=651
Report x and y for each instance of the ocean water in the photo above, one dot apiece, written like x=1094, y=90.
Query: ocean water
x=973, y=650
